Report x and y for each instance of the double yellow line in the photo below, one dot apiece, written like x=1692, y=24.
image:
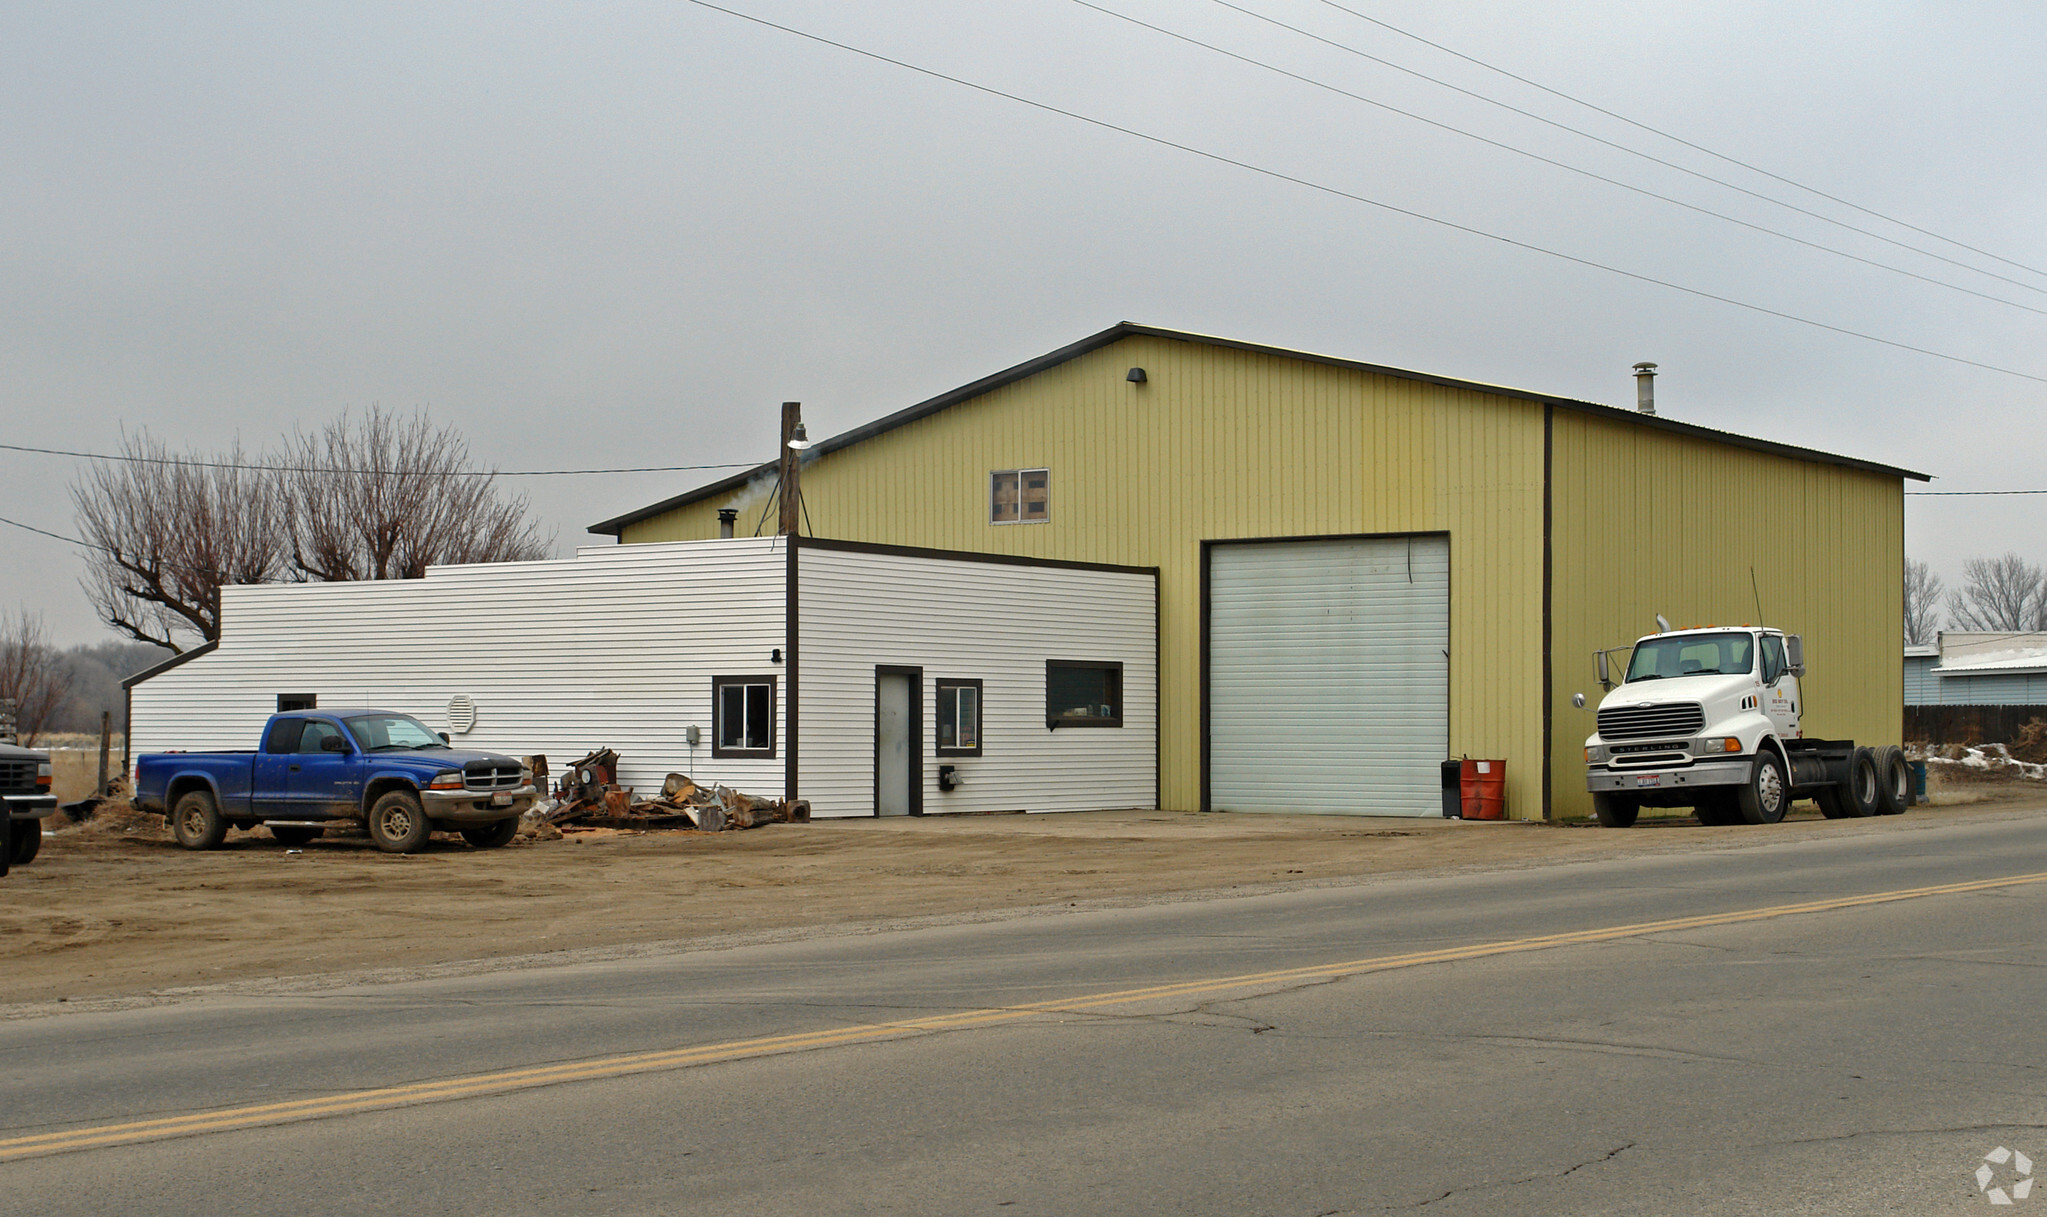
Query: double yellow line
x=481, y=1084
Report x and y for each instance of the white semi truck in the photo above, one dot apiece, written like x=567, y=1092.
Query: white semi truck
x=1708, y=718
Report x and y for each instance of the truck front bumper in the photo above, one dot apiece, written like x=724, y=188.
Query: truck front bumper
x=30, y=806
x=1627, y=781
x=469, y=807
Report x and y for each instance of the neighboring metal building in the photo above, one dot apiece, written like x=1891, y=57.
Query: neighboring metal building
x=1365, y=570
x=1978, y=669
x=795, y=662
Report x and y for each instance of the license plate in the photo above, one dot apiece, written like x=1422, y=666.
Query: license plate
x=1649, y=779
x=501, y=800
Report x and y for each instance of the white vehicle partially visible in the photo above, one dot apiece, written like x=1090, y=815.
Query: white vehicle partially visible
x=1708, y=718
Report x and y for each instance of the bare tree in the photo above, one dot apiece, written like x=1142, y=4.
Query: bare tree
x=167, y=531
x=32, y=674
x=1922, y=604
x=385, y=496
x=2005, y=594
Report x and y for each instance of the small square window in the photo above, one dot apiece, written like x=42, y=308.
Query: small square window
x=1019, y=496
x=743, y=710
x=1082, y=694
x=959, y=718
x=287, y=702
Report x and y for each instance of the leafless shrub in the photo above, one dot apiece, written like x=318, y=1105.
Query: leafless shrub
x=385, y=496
x=32, y=674
x=1922, y=604
x=1999, y=594
x=2031, y=744
x=168, y=531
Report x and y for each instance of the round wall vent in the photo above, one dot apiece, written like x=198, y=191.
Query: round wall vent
x=461, y=714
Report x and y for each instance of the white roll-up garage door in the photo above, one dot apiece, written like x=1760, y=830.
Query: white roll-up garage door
x=1328, y=675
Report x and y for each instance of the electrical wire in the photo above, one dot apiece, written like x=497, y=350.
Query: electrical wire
x=1678, y=139
x=1967, y=493
x=122, y=458
x=1564, y=165
x=1620, y=147
x=1338, y=192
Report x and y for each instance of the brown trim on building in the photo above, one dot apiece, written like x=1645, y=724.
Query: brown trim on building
x=790, y=612
x=204, y=648
x=773, y=683
x=1083, y=665
x=965, y=555
x=939, y=684
x=1548, y=602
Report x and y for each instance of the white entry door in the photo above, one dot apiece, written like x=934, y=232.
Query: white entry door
x=1329, y=675
x=898, y=750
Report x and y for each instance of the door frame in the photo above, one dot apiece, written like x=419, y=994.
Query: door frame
x=916, y=679
x=1209, y=545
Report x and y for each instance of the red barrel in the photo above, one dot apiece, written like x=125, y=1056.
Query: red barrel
x=1483, y=787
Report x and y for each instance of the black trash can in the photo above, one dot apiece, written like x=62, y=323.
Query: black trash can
x=1453, y=790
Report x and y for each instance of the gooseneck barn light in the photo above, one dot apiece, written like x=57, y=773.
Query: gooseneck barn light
x=800, y=440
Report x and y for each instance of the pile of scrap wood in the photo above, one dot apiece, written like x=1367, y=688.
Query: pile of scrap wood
x=589, y=793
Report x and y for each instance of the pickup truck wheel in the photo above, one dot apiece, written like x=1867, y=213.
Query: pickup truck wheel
x=196, y=821
x=25, y=840
x=492, y=835
x=1615, y=810
x=1764, y=796
x=1863, y=793
x=294, y=834
x=398, y=824
x=1895, y=792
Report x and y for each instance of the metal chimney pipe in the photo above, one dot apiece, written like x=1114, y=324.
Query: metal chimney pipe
x=1645, y=388
x=727, y=516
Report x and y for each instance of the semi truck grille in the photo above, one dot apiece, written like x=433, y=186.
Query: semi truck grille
x=17, y=776
x=483, y=775
x=1668, y=719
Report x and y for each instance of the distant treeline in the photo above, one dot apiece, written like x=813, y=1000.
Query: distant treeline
x=95, y=672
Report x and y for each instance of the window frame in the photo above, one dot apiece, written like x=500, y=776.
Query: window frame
x=718, y=685
x=943, y=685
x=994, y=477
x=1055, y=722
x=291, y=703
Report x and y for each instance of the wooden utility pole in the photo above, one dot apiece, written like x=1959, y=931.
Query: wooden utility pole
x=106, y=741
x=792, y=493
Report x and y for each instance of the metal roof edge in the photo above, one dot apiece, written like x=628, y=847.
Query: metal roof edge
x=1127, y=329
x=204, y=648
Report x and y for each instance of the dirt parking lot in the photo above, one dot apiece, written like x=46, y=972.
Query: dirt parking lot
x=114, y=910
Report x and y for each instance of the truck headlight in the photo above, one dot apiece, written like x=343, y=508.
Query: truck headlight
x=451, y=780
x=43, y=774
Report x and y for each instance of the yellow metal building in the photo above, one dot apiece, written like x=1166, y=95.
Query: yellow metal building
x=1567, y=525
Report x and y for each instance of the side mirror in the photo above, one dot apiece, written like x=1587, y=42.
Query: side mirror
x=1794, y=654
x=333, y=743
x=1578, y=700
x=443, y=735
x=1605, y=681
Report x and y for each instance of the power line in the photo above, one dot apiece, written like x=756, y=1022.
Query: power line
x=1338, y=192
x=477, y=473
x=1564, y=165
x=1620, y=147
x=1678, y=139
x=1967, y=493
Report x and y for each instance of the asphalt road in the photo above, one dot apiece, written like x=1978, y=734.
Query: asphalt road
x=1521, y=1045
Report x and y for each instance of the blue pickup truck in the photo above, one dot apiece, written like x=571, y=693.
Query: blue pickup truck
x=317, y=767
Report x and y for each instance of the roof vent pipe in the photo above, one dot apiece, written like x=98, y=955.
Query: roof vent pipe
x=1645, y=388
x=726, y=517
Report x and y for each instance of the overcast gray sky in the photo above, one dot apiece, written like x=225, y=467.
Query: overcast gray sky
x=621, y=234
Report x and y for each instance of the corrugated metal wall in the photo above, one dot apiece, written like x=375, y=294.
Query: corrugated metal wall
x=616, y=648
x=1986, y=689
x=1922, y=687
x=1647, y=521
x=1223, y=443
x=988, y=621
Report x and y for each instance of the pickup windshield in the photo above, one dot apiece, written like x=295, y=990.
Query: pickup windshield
x=1692, y=655
x=388, y=732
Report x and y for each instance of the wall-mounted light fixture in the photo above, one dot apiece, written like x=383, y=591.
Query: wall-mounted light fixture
x=801, y=439
x=1135, y=376
x=775, y=656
